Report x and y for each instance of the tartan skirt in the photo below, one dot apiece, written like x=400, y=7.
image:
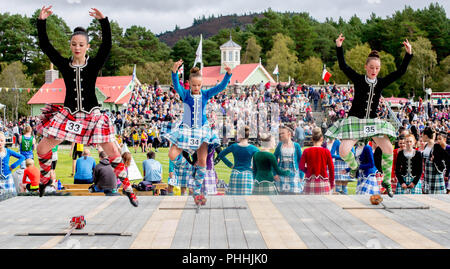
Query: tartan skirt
x=185, y=174
x=433, y=181
x=264, y=188
x=187, y=138
x=367, y=185
x=96, y=127
x=209, y=185
x=241, y=183
x=291, y=183
x=7, y=187
x=408, y=179
x=340, y=165
x=317, y=186
x=353, y=128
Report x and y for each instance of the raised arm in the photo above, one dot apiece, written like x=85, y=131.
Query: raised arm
x=176, y=81
x=348, y=71
x=403, y=66
x=221, y=86
x=105, y=46
x=44, y=42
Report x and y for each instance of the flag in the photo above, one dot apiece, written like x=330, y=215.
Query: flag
x=181, y=70
x=134, y=73
x=275, y=72
x=198, y=53
x=325, y=74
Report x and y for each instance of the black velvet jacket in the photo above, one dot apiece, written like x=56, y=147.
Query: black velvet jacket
x=367, y=95
x=404, y=167
x=79, y=80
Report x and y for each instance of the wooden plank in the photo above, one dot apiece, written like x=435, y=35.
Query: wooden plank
x=159, y=230
x=320, y=206
x=276, y=231
x=217, y=230
x=182, y=238
x=354, y=227
x=299, y=219
x=134, y=220
x=91, y=214
x=432, y=201
x=252, y=234
x=200, y=232
x=404, y=236
x=235, y=233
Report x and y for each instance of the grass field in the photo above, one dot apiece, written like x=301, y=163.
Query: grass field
x=64, y=165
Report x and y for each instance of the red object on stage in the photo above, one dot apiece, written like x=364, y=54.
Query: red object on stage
x=78, y=221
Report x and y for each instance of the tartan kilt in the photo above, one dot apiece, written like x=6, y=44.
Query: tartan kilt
x=97, y=127
x=209, y=185
x=264, y=188
x=187, y=138
x=433, y=181
x=7, y=187
x=408, y=179
x=340, y=165
x=291, y=183
x=317, y=186
x=367, y=185
x=184, y=174
x=352, y=128
x=241, y=183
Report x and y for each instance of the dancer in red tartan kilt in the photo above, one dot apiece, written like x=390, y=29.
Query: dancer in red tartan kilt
x=79, y=120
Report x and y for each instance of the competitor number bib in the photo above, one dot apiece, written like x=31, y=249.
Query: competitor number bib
x=194, y=142
x=74, y=127
x=370, y=129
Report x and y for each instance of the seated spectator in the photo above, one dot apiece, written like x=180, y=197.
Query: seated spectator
x=84, y=168
x=31, y=177
x=104, y=178
x=152, y=169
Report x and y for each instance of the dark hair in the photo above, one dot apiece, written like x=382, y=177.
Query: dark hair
x=429, y=132
x=373, y=55
x=80, y=31
x=150, y=155
x=246, y=132
x=195, y=73
x=102, y=155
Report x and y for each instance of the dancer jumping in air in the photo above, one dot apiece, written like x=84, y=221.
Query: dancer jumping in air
x=79, y=120
x=193, y=133
x=362, y=121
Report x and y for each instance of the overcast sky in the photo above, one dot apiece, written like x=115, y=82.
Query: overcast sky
x=162, y=15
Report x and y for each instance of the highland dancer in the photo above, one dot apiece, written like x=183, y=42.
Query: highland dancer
x=362, y=121
x=79, y=120
x=193, y=133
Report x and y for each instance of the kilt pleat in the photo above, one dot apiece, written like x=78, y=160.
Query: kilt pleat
x=367, y=185
x=97, y=127
x=241, y=183
x=353, y=128
x=317, y=185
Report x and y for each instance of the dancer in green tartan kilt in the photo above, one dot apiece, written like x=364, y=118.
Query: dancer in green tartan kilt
x=362, y=122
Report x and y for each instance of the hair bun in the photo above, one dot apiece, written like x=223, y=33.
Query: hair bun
x=374, y=53
x=79, y=29
x=195, y=70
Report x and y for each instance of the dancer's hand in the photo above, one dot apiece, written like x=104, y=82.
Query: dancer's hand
x=45, y=12
x=177, y=65
x=227, y=68
x=96, y=14
x=411, y=186
x=276, y=178
x=339, y=40
x=404, y=186
x=408, y=47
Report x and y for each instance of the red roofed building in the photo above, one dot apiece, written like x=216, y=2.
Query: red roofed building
x=243, y=74
x=111, y=92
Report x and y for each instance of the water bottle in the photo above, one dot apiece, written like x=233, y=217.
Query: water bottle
x=59, y=185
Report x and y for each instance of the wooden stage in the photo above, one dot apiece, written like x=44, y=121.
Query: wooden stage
x=266, y=222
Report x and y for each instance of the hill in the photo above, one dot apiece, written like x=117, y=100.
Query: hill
x=208, y=27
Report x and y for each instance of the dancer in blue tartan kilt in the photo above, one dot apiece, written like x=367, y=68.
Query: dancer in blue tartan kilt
x=408, y=168
x=341, y=179
x=434, y=157
x=7, y=187
x=193, y=133
x=241, y=178
x=362, y=121
x=288, y=155
x=367, y=180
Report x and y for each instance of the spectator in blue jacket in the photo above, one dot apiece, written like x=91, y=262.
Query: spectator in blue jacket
x=84, y=168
